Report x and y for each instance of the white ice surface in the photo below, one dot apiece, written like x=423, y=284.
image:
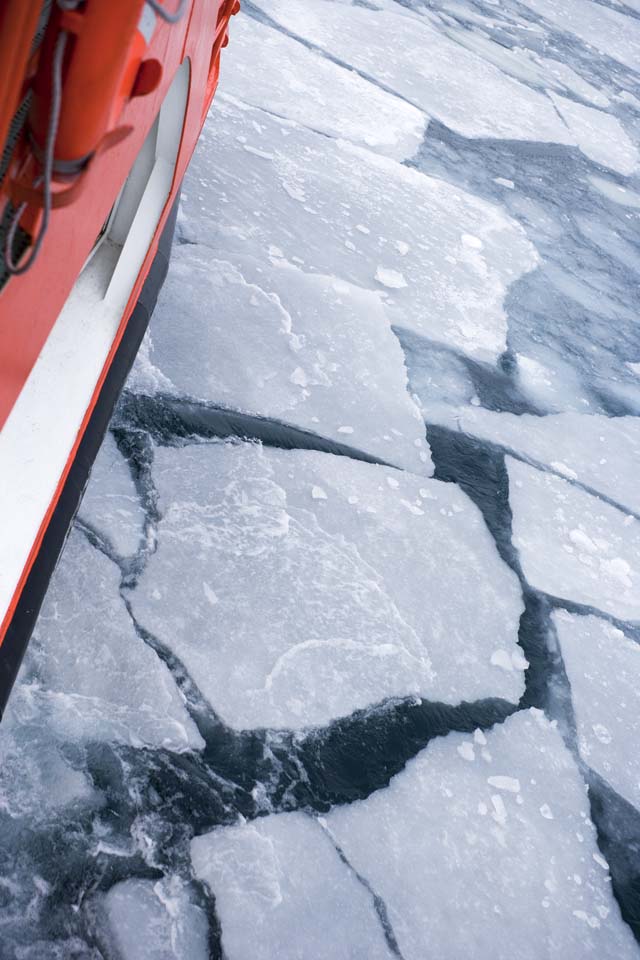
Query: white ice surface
x=319, y=585
x=603, y=667
x=617, y=193
x=573, y=545
x=487, y=851
x=283, y=892
x=311, y=350
x=110, y=503
x=601, y=452
x=451, y=83
x=155, y=921
x=305, y=86
x=94, y=677
x=600, y=136
x=338, y=210
x=482, y=847
x=609, y=31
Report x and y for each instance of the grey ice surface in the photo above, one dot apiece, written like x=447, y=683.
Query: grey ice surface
x=341, y=656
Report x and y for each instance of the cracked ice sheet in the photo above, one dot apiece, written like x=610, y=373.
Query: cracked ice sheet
x=452, y=84
x=443, y=258
x=305, y=86
x=600, y=136
x=573, y=545
x=156, y=921
x=611, y=32
x=603, y=667
x=93, y=677
x=298, y=587
x=110, y=504
x=481, y=847
x=282, y=892
x=601, y=452
x=313, y=351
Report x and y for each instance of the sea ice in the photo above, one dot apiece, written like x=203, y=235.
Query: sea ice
x=467, y=868
x=337, y=584
x=301, y=84
x=599, y=135
x=600, y=452
x=457, y=254
x=283, y=892
x=615, y=34
x=573, y=545
x=95, y=678
x=479, y=848
x=156, y=921
x=603, y=667
x=311, y=350
x=110, y=504
x=453, y=84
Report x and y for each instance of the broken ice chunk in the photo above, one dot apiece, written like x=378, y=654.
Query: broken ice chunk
x=325, y=604
x=301, y=84
x=156, y=921
x=302, y=348
x=603, y=667
x=573, y=545
x=110, y=503
x=96, y=678
x=456, y=882
x=282, y=891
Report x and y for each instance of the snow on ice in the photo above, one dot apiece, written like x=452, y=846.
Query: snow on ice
x=95, y=678
x=311, y=350
x=301, y=84
x=486, y=852
x=319, y=585
x=282, y=891
x=457, y=254
x=573, y=545
x=603, y=667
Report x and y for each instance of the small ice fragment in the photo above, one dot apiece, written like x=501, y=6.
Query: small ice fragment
x=345, y=429
x=466, y=751
x=545, y=810
x=318, y=493
x=392, y=279
x=512, y=784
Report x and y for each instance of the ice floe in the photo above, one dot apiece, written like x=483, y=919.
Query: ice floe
x=603, y=667
x=110, y=504
x=282, y=891
x=341, y=211
x=453, y=84
x=301, y=84
x=599, y=135
x=310, y=350
x=600, y=452
x=156, y=921
x=482, y=847
x=319, y=585
x=573, y=545
x=93, y=676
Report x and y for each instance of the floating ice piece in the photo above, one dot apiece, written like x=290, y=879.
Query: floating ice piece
x=617, y=193
x=599, y=135
x=452, y=84
x=96, y=679
x=573, y=545
x=610, y=32
x=311, y=350
x=282, y=891
x=322, y=192
x=156, y=921
x=389, y=586
x=600, y=452
x=460, y=863
x=301, y=84
x=603, y=667
x=110, y=503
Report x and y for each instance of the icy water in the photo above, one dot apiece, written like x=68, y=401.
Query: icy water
x=342, y=656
